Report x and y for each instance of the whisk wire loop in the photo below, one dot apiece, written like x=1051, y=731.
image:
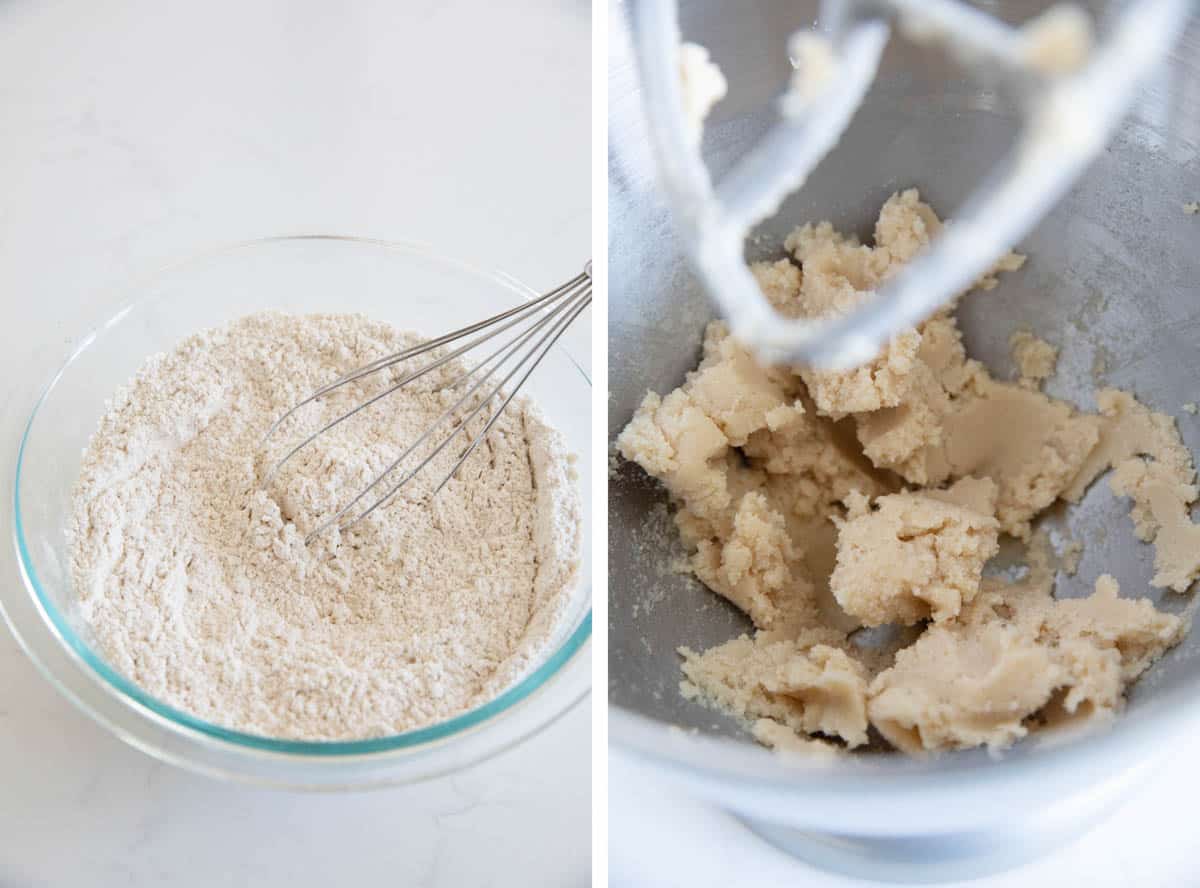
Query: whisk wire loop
x=540, y=322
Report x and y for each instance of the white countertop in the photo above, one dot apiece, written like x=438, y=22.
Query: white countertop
x=135, y=133
x=661, y=836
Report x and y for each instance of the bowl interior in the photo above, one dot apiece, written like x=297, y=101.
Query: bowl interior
x=407, y=286
x=1111, y=278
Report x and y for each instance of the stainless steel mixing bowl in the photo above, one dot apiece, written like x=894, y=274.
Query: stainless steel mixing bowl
x=1113, y=277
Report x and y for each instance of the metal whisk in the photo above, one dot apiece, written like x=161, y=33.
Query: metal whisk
x=535, y=327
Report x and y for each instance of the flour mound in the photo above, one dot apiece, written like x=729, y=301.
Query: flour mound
x=196, y=583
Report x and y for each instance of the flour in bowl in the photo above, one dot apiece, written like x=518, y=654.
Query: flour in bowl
x=194, y=578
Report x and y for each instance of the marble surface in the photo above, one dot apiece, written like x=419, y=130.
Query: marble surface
x=135, y=133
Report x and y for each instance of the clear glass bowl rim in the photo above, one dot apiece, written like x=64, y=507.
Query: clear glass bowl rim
x=134, y=695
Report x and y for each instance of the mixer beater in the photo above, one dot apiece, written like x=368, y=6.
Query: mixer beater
x=1073, y=94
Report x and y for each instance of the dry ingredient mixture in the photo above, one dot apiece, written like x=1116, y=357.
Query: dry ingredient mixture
x=196, y=582
x=824, y=503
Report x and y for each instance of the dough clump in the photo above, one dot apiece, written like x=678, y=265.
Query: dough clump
x=823, y=503
x=1035, y=358
x=916, y=556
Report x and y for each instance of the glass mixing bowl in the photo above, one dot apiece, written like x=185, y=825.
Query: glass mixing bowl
x=404, y=284
x=1111, y=278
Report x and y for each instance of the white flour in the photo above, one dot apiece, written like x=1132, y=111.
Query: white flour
x=196, y=582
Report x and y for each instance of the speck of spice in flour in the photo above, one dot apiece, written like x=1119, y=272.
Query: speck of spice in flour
x=195, y=582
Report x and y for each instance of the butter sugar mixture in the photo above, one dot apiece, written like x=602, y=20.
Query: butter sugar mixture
x=824, y=503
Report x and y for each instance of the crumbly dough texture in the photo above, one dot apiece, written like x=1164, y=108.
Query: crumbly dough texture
x=1035, y=358
x=914, y=556
x=824, y=502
